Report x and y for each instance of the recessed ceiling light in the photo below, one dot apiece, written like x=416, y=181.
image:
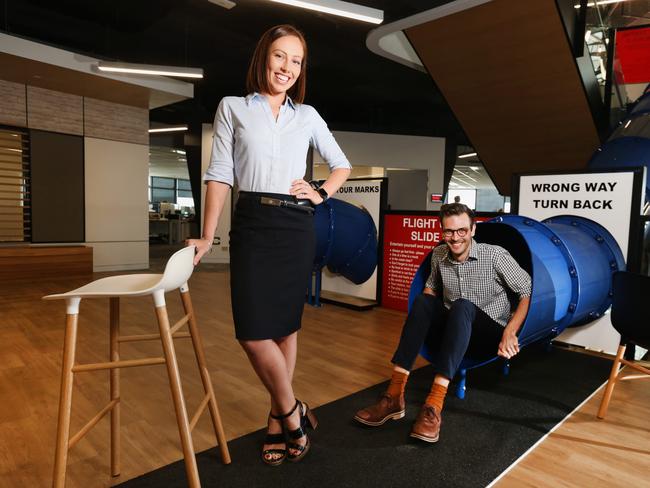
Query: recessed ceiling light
x=467, y=155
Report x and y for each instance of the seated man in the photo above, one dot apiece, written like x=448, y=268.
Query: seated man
x=463, y=307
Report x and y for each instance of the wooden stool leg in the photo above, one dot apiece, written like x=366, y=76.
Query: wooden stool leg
x=205, y=375
x=613, y=376
x=115, y=384
x=191, y=467
x=65, y=401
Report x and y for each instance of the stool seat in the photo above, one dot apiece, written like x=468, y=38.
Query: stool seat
x=114, y=286
x=177, y=272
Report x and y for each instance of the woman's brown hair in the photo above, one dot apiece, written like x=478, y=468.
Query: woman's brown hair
x=256, y=80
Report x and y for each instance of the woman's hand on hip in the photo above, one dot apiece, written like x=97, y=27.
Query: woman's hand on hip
x=203, y=247
x=303, y=190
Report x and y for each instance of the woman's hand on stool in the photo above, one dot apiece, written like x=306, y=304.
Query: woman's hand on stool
x=203, y=247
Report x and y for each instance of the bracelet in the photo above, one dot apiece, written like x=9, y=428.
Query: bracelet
x=208, y=239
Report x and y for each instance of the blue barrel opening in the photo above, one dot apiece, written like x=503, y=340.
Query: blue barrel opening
x=346, y=240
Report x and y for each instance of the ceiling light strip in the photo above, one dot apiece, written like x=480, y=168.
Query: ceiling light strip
x=149, y=69
x=600, y=2
x=469, y=185
x=337, y=7
x=468, y=155
x=465, y=175
x=168, y=129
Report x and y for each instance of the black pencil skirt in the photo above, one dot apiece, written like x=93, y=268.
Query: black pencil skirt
x=271, y=257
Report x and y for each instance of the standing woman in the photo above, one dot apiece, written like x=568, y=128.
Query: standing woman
x=261, y=141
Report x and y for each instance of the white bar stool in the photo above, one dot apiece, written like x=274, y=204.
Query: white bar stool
x=177, y=271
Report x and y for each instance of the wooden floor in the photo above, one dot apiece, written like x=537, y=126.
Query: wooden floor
x=340, y=352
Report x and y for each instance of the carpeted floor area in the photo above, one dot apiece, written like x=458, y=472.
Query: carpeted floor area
x=500, y=418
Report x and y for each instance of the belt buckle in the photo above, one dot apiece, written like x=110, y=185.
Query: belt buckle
x=275, y=202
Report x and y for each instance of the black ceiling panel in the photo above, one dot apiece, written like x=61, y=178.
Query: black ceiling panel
x=353, y=88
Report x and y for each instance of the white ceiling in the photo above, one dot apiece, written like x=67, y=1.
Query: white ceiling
x=469, y=173
x=168, y=162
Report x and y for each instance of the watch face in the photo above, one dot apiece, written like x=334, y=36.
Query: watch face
x=323, y=193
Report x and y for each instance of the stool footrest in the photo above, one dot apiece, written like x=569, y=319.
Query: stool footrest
x=129, y=363
x=199, y=411
x=636, y=366
x=91, y=423
x=179, y=324
x=151, y=337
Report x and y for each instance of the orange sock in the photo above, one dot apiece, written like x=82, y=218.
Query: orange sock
x=436, y=396
x=397, y=383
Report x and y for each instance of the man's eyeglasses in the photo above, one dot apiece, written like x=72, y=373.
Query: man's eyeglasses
x=462, y=232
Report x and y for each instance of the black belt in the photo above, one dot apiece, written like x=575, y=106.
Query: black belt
x=302, y=205
x=277, y=202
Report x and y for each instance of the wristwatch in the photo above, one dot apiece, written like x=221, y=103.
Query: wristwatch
x=321, y=191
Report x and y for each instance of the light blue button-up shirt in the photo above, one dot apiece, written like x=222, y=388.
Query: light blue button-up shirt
x=264, y=154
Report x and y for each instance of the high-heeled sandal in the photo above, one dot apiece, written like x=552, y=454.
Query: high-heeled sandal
x=307, y=419
x=274, y=439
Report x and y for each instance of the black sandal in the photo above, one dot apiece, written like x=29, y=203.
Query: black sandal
x=307, y=419
x=274, y=439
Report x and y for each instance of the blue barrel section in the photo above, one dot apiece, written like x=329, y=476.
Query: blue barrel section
x=346, y=240
x=570, y=260
x=629, y=144
x=596, y=255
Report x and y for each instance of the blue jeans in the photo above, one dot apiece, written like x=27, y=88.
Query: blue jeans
x=450, y=334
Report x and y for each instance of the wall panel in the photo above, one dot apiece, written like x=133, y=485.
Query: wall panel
x=13, y=108
x=57, y=177
x=117, y=204
x=107, y=120
x=54, y=111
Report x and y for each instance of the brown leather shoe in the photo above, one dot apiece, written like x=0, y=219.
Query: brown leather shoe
x=386, y=408
x=427, y=425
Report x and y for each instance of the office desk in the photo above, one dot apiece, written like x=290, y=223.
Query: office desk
x=173, y=230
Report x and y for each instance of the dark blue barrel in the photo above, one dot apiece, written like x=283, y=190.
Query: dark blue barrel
x=629, y=144
x=570, y=260
x=346, y=240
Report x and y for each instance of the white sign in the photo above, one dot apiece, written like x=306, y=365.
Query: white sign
x=605, y=198
x=366, y=194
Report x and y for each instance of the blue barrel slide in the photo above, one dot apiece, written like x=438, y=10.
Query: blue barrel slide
x=570, y=260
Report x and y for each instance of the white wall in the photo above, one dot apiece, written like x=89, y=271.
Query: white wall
x=221, y=248
x=396, y=151
x=117, y=204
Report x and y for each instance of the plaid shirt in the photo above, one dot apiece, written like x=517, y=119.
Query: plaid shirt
x=484, y=279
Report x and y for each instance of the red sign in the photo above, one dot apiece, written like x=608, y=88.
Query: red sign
x=407, y=240
x=633, y=52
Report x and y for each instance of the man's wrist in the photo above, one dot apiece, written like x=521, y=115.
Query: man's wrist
x=509, y=332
